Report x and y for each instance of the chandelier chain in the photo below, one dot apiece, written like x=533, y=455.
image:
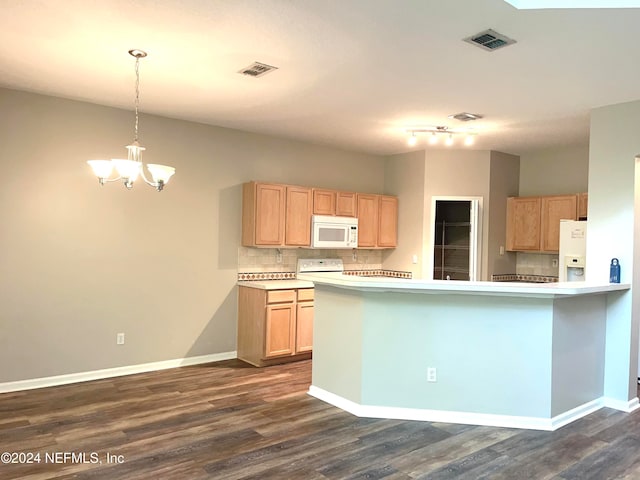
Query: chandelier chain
x=135, y=138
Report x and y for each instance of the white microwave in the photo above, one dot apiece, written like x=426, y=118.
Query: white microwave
x=334, y=232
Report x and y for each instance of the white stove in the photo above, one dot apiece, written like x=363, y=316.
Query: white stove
x=320, y=265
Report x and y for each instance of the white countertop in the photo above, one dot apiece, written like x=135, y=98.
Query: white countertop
x=276, y=284
x=385, y=284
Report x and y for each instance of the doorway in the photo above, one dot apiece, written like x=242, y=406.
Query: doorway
x=455, y=238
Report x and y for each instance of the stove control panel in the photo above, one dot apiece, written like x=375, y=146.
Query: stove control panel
x=307, y=265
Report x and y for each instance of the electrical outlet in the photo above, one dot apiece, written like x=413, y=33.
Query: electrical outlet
x=278, y=256
x=431, y=374
x=554, y=262
x=120, y=339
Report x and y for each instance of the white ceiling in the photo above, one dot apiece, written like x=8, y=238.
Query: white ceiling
x=354, y=74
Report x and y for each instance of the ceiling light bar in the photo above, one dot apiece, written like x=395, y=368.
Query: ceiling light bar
x=435, y=132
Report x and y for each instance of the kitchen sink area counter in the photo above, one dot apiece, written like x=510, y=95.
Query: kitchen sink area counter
x=506, y=354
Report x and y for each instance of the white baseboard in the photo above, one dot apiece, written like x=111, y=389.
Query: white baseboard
x=621, y=405
x=509, y=421
x=575, y=413
x=112, y=372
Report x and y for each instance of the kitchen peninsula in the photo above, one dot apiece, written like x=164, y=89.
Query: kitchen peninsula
x=487, y=353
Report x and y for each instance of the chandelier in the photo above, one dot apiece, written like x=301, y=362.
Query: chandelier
x=434, y=134
x=128, y=170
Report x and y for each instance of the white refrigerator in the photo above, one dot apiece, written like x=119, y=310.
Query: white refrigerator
x=573, y=251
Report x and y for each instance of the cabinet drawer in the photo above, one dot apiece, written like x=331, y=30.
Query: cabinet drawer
x=281, y=296
x=305, y=294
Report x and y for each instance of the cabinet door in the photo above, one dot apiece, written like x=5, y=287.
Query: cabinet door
x=304, y=327
x=298, y=217
x=388, y=221
x=346, y=204
x=269, y=214
x=280, y=325
x=324, y=202
x=367, y=220
x=554, y=209
x=583, y=199
x=523, y=223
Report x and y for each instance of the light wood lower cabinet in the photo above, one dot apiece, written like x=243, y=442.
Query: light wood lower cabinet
x=274, y=326
x=304, y=321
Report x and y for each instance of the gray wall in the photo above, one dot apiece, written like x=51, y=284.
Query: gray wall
x=505, y=173
x=81, y=262
x=554, y=171
x=613, y=230
x=456, y=173
x=404, y=177
x=419, y=176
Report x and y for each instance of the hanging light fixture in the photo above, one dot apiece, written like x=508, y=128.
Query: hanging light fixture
x=128, y=170
x=435, y=132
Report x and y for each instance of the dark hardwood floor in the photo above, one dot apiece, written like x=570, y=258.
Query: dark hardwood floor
x=231, y=421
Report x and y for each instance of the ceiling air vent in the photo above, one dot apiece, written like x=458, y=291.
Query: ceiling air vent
x=465, y=116
x=257, y=69
x=489, y=40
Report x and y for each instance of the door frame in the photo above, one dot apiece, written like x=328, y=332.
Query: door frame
x=476, y=268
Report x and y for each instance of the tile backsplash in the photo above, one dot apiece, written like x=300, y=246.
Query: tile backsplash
x=536, y=264
x=286, y=259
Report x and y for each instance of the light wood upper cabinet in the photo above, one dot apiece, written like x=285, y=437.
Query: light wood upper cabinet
x=332, y=202
x=367, y=220
x=387, y=221
x=523, y=223
x=298, y=217
x=263, y=214
x=275, y=215
x=324, y=202
x=555, y=208
x=377, y=221
x=533, y=223
x=346, y=205
x=583, y=199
